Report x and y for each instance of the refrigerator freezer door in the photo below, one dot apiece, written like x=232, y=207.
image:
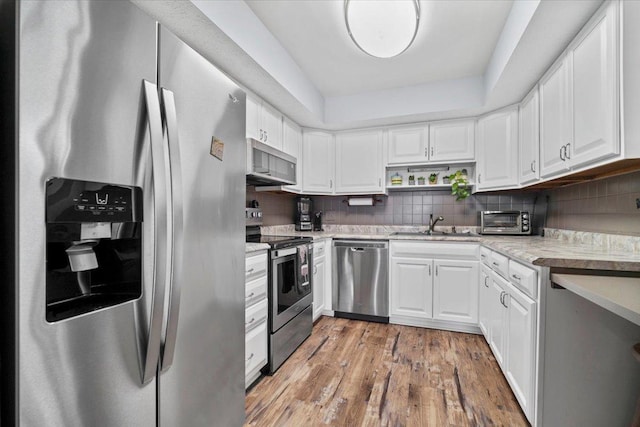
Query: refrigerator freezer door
x=204, y=386
x=81, y=116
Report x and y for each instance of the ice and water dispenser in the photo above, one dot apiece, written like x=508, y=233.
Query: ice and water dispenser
x=94, y=246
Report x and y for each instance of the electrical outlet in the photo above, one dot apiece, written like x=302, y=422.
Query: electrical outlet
x=638, y=203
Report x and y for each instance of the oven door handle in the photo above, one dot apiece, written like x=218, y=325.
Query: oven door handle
x=279, y=253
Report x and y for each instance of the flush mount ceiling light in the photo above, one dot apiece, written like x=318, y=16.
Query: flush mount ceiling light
x=382, y=28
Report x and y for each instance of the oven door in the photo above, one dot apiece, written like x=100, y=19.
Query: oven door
x=289, y=295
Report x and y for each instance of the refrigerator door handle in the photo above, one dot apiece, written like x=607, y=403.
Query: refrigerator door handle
x=171, y=131
x=151, y=354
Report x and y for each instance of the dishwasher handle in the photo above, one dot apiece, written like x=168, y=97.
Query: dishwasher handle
x=360, y=245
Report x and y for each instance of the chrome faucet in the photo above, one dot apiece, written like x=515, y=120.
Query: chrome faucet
x=433, y=223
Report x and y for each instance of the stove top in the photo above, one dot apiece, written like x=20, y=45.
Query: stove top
x=279, y=242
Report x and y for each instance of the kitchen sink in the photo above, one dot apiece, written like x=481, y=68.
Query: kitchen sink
x=435, y=233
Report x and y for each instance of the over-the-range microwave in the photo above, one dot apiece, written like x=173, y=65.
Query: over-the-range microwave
x=269, y=166
x=505, y=222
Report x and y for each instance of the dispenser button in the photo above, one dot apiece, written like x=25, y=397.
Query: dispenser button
x=80, y=207
x=121, y=208
x=91, y=207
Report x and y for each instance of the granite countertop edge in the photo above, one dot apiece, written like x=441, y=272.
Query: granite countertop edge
x=535, y=250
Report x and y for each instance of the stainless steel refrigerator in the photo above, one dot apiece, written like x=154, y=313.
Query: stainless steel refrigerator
x=123, y=155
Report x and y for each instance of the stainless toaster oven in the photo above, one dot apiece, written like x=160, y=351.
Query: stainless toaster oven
x=505, y=222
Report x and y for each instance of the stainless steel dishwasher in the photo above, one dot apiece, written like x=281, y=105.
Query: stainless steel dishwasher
x=361, y=280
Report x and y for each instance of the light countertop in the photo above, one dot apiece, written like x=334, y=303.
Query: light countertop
x=542, y=251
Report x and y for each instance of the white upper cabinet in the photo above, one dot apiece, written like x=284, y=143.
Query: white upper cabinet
x=595, y=91
x=263, y=122
x=451, y=140
x=408, y=144
x=292, y=145
x=579, y=114
x=318, y=158
x=555, y=119
x=498, y=150
x=529, y=139
x=359, y=162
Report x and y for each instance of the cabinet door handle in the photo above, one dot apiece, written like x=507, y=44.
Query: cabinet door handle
x=426, y=152
x=501, y=296
x=515, y=276
x=266, y=136
x=479, y=178
x=562, y=152
x=315, y=269
x=485, y=281
x=504, y=300
x=533, y=168
x=432, y=151
x=566, y=151
x=250, y=357
x=261, y=135
x=379, y=182
x=436, y=270
x=330, y=183
x=429, y=270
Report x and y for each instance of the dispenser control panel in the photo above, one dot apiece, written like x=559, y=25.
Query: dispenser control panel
x=84, y=201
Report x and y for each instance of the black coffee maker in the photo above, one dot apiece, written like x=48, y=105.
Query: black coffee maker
x=303, y=218
x=317, y=221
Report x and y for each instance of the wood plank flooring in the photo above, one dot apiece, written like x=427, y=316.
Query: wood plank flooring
x=354, y=373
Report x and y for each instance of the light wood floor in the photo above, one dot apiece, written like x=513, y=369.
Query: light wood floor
x=353, y=373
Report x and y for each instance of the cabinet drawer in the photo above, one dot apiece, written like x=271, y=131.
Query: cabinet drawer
x=255, y=349
x=500, y=264
x=255, y=316
x=485, y=255
x=524, y=278
x=319, y=249
x=448, y=250
x=255, y=266
x=255, y=291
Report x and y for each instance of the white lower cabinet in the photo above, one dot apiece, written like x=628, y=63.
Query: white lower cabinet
x=319, y=277
x=508, y=318
x=255, y=353
x=455, y=291
x=520, y=336
x=411, y=287
x=434, y=284
x=483, y=300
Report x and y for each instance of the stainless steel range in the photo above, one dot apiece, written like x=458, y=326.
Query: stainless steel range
x=290, y=285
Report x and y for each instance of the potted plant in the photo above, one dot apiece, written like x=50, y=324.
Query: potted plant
x=460, y=185
x=421, y=180
x=412, y=180
x=433, y=179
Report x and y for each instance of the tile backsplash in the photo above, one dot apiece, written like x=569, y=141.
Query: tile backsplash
x=414, y=208
x=605, y=205
x=277, y=208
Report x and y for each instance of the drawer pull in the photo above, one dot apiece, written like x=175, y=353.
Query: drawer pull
x=251, y=321
x=250, y=295
x=515, y=276
x=250, y=357
x=249, y=271
x=496, y=264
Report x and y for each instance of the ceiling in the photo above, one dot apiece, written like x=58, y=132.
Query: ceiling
x=470, y=56
x=455, y=39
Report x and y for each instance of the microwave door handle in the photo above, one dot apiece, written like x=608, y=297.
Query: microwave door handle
x=150, y=340
x=171, y=129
